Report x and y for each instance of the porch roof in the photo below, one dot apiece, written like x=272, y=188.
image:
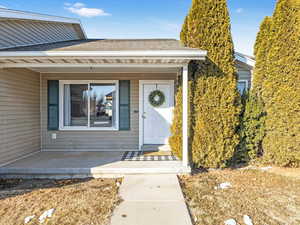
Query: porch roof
x=101, y=53
x=106, y=45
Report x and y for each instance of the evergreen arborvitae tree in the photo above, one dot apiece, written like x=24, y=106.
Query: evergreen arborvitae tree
x=252, y=127
x=216, y=99
x=281, y=87
x=261, y=50
x=183, y=33
x=175, y=140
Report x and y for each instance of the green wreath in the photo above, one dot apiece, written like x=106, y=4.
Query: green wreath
x=157, y=98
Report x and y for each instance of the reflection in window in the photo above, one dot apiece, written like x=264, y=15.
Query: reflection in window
x=75, y=105
x=242, y=86
x=89, y=105
x=102, y=105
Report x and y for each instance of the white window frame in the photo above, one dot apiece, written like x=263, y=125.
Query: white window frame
x=246, y=81
x=86, y=128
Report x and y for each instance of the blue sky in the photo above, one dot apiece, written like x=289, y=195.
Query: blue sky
x=148, y=18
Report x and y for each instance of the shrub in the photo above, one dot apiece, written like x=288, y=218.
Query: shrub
x=252, y=126
x=214, y=102
x=175, y=140
x=252, y=121
x=261, y=50
x=183, y=33
x=280, y=87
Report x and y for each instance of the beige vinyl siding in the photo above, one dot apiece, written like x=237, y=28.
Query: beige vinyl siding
x=244, y=73
x=19, y=113
x=16, y=33
x=97, y=140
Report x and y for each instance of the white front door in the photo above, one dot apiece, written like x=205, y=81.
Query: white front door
x=157, y=120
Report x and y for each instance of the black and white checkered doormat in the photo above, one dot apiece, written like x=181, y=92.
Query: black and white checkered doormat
x=139, y=156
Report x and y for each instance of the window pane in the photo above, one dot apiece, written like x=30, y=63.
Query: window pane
x=75, y=105
x=103, y=105
x=242, y=86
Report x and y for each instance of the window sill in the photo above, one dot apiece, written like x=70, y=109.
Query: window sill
x=88, y=129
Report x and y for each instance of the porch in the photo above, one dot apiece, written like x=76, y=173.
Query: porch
x=61, y=165
x=77, y=108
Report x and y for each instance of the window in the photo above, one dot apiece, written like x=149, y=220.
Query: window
x=90, y=105
x=242, y=86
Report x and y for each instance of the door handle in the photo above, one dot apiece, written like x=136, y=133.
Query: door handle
x=143, y=116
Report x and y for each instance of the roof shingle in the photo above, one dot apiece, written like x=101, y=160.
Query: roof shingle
x=106, y=45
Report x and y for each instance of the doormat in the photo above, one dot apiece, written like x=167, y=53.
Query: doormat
x=144, y=156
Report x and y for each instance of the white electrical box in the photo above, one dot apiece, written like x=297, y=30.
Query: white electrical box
x=53, y=135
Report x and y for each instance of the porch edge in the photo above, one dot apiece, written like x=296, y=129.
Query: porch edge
x=19, y=158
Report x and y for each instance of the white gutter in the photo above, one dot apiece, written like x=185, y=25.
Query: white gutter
x=194, y=54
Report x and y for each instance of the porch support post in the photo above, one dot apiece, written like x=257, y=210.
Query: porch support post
x=185, y=144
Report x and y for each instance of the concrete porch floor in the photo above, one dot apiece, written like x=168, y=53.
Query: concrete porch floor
x=85, y=164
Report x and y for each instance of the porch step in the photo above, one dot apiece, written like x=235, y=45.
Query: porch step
x=161, y=148
x=67, y=173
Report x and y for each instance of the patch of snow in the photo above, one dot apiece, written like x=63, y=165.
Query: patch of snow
x=230, y=222
x=45, y=215
x=28, y=219
x=247, y=220
x=224, y=185
x=266, y=168
x=247, y=168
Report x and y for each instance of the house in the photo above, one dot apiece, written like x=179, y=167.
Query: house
x=73, y=105
x=245, y=65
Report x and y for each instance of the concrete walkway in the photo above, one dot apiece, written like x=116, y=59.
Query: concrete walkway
x=151, y=200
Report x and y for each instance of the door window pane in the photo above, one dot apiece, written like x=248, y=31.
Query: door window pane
x=75, y=105
x=102, y=105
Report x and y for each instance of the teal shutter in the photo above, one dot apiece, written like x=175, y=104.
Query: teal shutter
x=124, y=105
x=53, y=104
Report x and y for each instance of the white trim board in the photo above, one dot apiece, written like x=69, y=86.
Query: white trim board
x=245, y=59
x=70, y=65
x=117, y=70
x=141, y=104
x=247, y=83
x=88, y=128
x=185, y=101
x=192, y=54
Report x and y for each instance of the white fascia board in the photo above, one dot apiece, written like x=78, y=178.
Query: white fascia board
x=245, y=59
x=89, y=65
x=82, y=29
x=16, y=14
x=191, y=54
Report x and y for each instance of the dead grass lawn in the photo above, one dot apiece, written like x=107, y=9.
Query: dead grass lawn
x=269, y=199
x=77, y=201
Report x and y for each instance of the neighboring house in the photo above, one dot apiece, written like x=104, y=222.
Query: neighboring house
x=60, y=91
x=245, y=65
